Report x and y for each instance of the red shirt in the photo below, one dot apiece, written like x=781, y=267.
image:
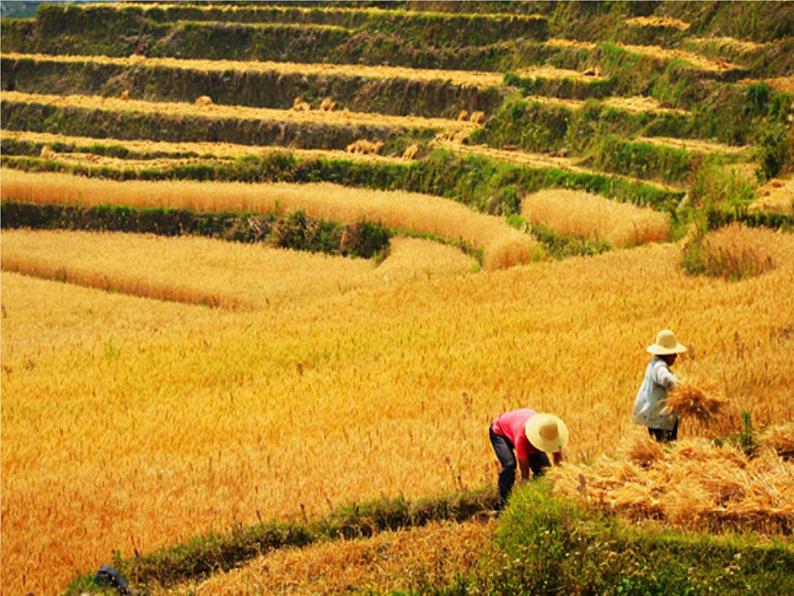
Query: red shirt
x=512, y=426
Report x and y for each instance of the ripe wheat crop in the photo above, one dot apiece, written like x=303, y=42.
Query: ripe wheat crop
x=191, y=270
x=502, y=245
x=232, y=112
x=387, y=562
x=132, y=423
x=456, y=77
x=578, y=213
x=212, y=272
x=737, y=251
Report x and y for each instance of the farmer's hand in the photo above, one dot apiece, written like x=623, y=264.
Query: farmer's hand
x=557, y=457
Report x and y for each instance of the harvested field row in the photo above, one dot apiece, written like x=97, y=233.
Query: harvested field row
x=197, y=127
x=149, y=151
x=692, y=484
x=502, y=245
x=577, y=213
x=232, y=83
x=224, y=112
x=435, y=27
x=696, y=145
x=212, y=272
x=695, y=60
x=358, y=71
x=636, y=104
x=391, y=561
x=657, y=22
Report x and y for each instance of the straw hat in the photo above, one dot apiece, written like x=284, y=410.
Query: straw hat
x=547, y=432
x=666, y=344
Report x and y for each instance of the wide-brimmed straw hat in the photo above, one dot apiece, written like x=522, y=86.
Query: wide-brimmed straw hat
x=666, y=344
x=546, y=432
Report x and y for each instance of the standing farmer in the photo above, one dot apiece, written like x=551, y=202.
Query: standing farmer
x=652, y=396
x=532, y=435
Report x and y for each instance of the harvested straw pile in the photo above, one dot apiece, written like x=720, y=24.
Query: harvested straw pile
x=328, y=105
x=365, y=147
x=779, y=438
x=300, y=105
x=692, y=484
x=689, y=401
x=411, y=152
x=477, y=118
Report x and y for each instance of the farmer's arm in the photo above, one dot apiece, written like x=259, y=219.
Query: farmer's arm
x=523, y=465
x=557, y=456
x=662, y=376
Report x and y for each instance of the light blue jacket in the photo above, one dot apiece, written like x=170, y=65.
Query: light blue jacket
x=652, y=396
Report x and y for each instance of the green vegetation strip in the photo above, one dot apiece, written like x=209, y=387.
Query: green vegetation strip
x=207, y=554
x=294, y=230
x=483, y=184
x=548, y=545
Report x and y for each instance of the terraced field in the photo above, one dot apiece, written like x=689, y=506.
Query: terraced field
x=263, y=261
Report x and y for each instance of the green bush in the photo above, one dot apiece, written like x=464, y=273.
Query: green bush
x=550, y=546
x=295, y=230
x=774, y=150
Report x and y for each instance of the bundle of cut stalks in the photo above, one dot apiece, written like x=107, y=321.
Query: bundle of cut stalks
x=780, y=438
x=693, y=484
x=689, y=401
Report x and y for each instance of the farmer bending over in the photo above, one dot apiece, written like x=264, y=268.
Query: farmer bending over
x=532, y=435
x=652, y=396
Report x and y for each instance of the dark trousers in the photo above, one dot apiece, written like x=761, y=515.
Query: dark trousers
x=665, y=436
x=538, y=461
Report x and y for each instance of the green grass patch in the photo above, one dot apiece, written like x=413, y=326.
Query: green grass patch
x=550, y=546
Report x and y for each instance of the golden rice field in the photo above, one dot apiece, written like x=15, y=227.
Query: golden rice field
x=385, y=563
x=501, y=244
x=203, y=149
x=736, y=251
x=213, y=272
x=579, y=213
x=457, y=77
x=131, y=423
x=233, y=112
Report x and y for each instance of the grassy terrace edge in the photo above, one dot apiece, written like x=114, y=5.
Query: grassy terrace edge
x=203, y=555
x=294, y=230
x=483, y=184
x=548, y=544
x=265, y=89
x=545, y=544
